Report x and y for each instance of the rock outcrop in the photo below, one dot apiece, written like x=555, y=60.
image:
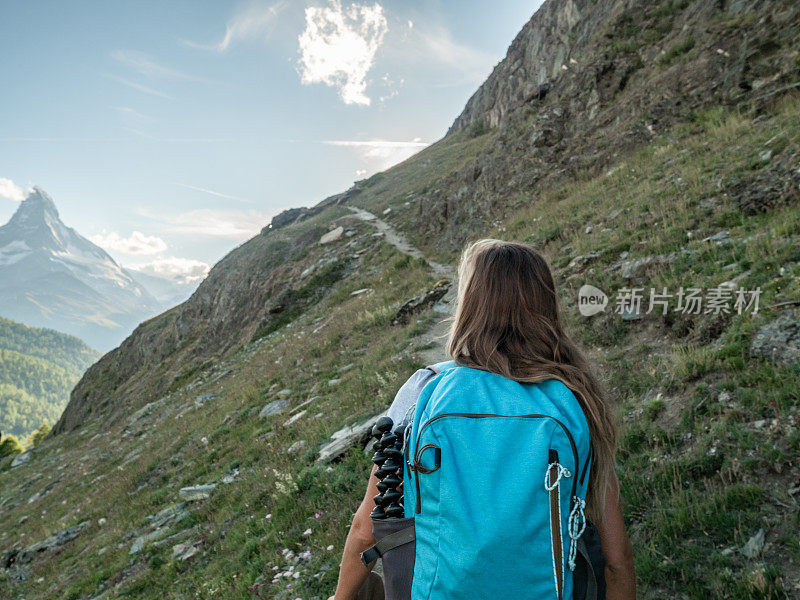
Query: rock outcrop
x=779, y=340
x=587, y=81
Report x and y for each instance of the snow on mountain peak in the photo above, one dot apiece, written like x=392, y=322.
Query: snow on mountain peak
x=51, y=276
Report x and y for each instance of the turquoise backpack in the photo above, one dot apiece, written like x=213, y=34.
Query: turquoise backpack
x=495, y=480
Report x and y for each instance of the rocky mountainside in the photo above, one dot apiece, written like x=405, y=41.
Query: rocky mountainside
x=583, y=83
x=587, y=81
x=51, y=276
x=217, y=452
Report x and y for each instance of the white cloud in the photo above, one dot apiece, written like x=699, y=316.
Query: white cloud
x=130, y=114
x=380, y=154
x=181, y=270
x=253, y=21
x=232, y=224
x=10, y=190
x=139, y=87
x=377, y=144
x=338, y=46
x=212, y=192
x=136, y=243
x=147, y=66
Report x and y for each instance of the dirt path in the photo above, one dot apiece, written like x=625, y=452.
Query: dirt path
x=399, y=241
x=444, y=309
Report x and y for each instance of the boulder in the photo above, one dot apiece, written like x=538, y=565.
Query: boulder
x=169, y=514
x=230, y=476
x=779, y=340
x=636, y=267
x=184, y=551
x=298, y=446
x=29, y=553
x=294, y=418
x=754, y=545
x=197, y=492
x=21, y=459
x=202, y=399
x=273, y=408
x=579, y=262
x=150, y=536
x=419, y=303
x=288, y=216
x=332, y=235
x=347, y=437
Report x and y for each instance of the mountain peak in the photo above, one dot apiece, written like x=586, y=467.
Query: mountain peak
x=38, y=203
x=51, y=276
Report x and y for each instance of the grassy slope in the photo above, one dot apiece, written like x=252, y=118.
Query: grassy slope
x=686, y=506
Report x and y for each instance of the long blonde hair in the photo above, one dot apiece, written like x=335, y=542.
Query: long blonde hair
x=507, y=322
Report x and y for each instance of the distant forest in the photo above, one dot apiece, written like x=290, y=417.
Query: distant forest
x=38, y=368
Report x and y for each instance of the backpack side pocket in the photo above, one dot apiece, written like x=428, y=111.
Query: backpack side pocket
x=396, y=547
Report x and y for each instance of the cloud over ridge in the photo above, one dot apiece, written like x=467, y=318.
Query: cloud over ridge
x=136, y=243
x=338, y=46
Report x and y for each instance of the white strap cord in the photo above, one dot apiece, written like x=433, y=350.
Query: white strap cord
x=562, y=472
x=576, y=524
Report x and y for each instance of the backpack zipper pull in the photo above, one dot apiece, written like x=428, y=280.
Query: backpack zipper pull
x=562, y=472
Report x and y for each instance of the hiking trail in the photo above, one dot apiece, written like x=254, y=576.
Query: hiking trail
x=437, y=334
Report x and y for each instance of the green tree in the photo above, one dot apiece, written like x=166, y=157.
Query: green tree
x=9, y=445
x=38, y=368
x=37, y=436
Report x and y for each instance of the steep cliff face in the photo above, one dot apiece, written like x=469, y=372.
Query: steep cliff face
x=585, y=82
x=534, y=60
x=586, y=50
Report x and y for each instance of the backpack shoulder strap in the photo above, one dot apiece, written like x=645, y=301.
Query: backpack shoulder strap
x=441, y=366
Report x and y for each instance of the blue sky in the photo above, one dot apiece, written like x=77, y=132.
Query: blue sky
x=170, y=132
